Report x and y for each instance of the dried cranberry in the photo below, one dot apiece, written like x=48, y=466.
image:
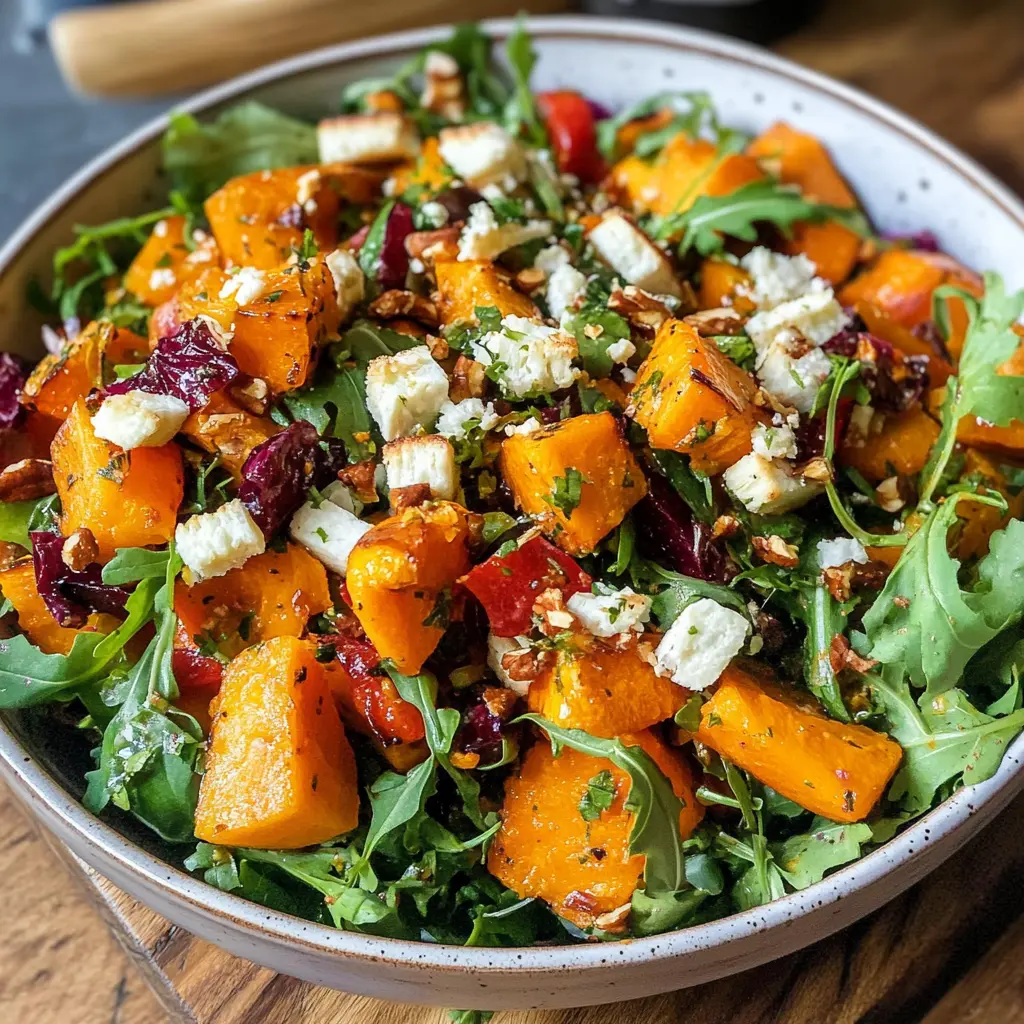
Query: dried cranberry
x=277, y=475
x=393, y=261
x=895, y=382
x=668, y=533
x=480, y=733
x=810, y=435
x=190, y=365
x=13, y=375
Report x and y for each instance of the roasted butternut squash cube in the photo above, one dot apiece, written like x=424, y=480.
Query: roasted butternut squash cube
x=277, y=334
x=167, y=261
x=84, y=363
x=465, y=285
x=578, y=477
x=273, y=594
x=258, y=219
x=603, y=691
x=692, y=399
x=18, y=585
x=899, y=446
x=280, y=773
x=224, y=428
x=127, y=499
x=719, y=280
x=429, y=172
x=547, y=849
x=399, y=578
x=833, y=769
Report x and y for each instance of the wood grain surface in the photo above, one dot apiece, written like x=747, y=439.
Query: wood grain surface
x=951, y=950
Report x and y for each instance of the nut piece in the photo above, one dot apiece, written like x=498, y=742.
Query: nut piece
x=27, y=480
x=444, y=91
x=360, y=479
x=550, y=609
x=644, y=311
x=527, y=664
x=500, y=702
x=438, y=346
x=889, y=494
x=725, y=526
x=397, y=302
x=817, y=470
x=775, y=550
x=468, y=380
x=80, y=550
x=841, y=655
x=428, y=245
x=530, y=279
x=408, y=497
x=709, y=322
x=614, y=921
x=253, y=397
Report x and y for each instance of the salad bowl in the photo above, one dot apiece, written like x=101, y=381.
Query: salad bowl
x=907, y=179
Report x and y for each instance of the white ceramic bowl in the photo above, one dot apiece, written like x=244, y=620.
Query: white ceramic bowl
x=908, y=180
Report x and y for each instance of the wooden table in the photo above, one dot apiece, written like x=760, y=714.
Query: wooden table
x=950, y=950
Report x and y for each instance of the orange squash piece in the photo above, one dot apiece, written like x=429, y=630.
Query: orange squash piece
x=546, y=849
x=465, y=285
x=544, y=468
x=273, y=594
x=979, y=522
x=224, y=428
x=127, y=499
x=18, y=585
x=280, y=773
x=428, y=172
x=258, y=219
x=84, y=363
x=800, y=159
x=692, y=399
x=166, y=262
x=603, y=691
x=901, y=446
x=718, y=282
x=398, y=578
x=277, y=335
x=833, y=769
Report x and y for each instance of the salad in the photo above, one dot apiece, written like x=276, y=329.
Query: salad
x=484, y=518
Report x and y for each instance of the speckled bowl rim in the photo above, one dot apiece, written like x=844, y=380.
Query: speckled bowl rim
x=50, y=802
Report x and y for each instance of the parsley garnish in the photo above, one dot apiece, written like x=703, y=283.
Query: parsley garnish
x=598, y=797
x=568, y=490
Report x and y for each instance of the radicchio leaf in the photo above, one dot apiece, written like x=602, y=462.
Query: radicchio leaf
x=70, y=596
x=480, y=733
x=190, y=365
x=895, y=383
x=12, y=379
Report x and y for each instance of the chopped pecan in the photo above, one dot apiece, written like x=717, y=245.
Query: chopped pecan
x=444, y=91
x=408, y=497
x=9, y=554
x=841, y=655
x=549, y=608
x=526, y=664
x=359, y=478
x=817, y=470
x=468, y=380
x=27, y=480
x=530, y=279
x=80, y=550
x=428, y=245
x=839, y=580
x=397, y=302
x=500, y=702
x=645, y=312
x=438, y=346
x=894, y=492
x=722, y=320
x=725, y=526
x=775, y=550
x=253, y=396
x=614, y=921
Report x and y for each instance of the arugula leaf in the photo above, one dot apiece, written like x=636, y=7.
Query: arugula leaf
x=365, y=341
x=946, y=740
x=654, y=913
x=594, y=351
x=924, y=622
x=739, y=348
x=695, y=490
x=248, y=137
x=678, y=591
x=979, y=390
x=598, y=797
x=521, y=110
x=652, y=801
x=370, y=250
x=825, y=618
x=692, y=110
x=131, y=564
x=396, y=800
x=15, y=519
x=709, y=218
x=805, y=859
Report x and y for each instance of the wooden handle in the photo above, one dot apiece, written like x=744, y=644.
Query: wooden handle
x=170, y=46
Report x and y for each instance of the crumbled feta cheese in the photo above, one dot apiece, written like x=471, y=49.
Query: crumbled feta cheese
x=367, y=138
x=699, y=645
x=482, y=153
x=497, y=648
x=349, y=280
x=550, y=259
x=306, y=187
x=628, y=375
x=160, y=229
x=214, y=543
x=565, y=285
x=162, y=277
x=766, y=486
x=533, y=358
x=328, y=532
x=839, y=551
x=527, y=427
x=343, y=497
x=621, y=351
x=138, y=419
x=815, y=317
x=794, y=381
x=245, y=286
x=632, y=255
x=405, y=391
x=427, y=459
x=615, y=611
x=483, y=238
x=434, y=213
x=863, y=423
x=458, y=418
x=776, y=278
x=775, y=442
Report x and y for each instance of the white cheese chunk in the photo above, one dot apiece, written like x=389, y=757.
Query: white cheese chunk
x=367, y=138
x=405, y=391
x=497, y=647
x=434, y=214
x=214, y=543
x=775, y=442
x=565, y=285
x=776, y=278
x=699, y=645
x=632, y=255
x=428, y=459
x=621, y=351
x=328, y=532
x=483, y=153
x=615, y=611
x=458, y=418
x=551, y=258
x=534, y=358
x=483, y=238
x=839, y=551
x=341, y=495
x=527, y=427
x=306, y=187
x=349, y=280
x=138, y=419
x=794, y=381
x=765, y=486
x=815, y=317
x=245, y=286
